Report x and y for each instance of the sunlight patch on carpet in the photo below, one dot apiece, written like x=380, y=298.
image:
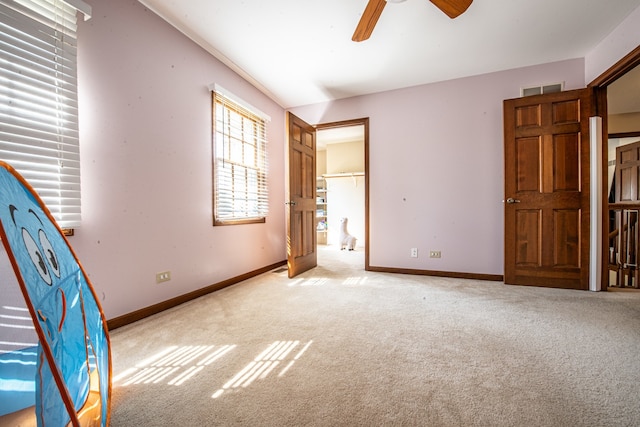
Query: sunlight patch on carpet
x=176, y=364
x=276, y=354
x=354, y=281
x=311, y=281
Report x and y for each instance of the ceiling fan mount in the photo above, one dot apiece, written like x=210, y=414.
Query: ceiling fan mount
x=374, y=8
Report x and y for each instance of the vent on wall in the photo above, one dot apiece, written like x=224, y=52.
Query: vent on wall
x=539, y=90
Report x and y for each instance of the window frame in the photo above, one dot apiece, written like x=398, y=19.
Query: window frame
x=248, y=136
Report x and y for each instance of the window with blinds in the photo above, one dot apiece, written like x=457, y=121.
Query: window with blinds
x=240, y=162
x=38, y=100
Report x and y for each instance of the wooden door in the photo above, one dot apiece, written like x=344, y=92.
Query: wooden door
x=547, y=190
x=301, y=205
x=627, y=173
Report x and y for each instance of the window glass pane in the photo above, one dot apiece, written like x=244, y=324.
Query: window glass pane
x=219, y=148
x=235, y=126
x=235, y=154
x=249, y=131
x=250, y=155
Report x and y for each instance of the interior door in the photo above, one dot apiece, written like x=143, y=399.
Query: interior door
x=301, y=210
x=547, y=189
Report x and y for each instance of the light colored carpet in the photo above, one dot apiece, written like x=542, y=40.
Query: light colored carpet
x=339, y=346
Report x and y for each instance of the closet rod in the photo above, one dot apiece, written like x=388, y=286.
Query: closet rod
x=342, y=175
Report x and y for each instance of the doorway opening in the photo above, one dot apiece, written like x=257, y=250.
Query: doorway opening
x=618, y=102
x=342, y=192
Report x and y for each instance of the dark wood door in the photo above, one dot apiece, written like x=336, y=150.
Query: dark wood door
x=547, y=190
x=301, y=211
x=627, y=176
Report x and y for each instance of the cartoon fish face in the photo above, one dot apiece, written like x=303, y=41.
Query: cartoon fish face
x=38, y=246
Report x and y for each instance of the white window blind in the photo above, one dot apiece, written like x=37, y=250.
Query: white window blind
x=240, y=162
x=38, y=100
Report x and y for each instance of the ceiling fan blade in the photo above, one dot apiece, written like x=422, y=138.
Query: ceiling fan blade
x=453, y=8
x=368, y=20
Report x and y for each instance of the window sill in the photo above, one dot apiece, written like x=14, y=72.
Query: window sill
x=240, y=221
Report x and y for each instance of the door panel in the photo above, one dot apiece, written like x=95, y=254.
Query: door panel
x=528, y=115
x=566, y=225
x=527, y=166
x=301, y=227
x=566, y=171
x=528, y=227
x=547, y=189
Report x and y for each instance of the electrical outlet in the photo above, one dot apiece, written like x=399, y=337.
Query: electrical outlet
x=435, y=254
x=164, y=276
x=414, y=252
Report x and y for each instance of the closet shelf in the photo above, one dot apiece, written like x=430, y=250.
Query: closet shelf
x=321, y=210
x=352, y=175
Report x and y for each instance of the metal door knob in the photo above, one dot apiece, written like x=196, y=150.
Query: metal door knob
x=512, y=200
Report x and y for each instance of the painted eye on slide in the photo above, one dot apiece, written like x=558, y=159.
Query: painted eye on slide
x=36, y=257
x=49, y=253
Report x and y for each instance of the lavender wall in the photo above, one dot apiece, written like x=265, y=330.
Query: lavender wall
x=615, y=46
x=145, y=134
x=436, y=166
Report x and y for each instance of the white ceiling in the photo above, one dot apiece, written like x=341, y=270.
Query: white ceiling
x=300, y=51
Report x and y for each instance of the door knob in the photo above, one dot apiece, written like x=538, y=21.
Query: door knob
x=290, y=203
x=512, y=200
